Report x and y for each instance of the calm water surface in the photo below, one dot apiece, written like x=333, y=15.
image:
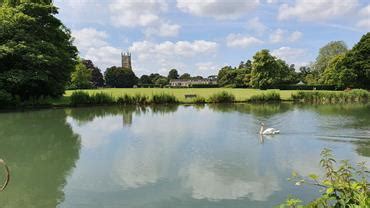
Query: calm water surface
x=174, y=156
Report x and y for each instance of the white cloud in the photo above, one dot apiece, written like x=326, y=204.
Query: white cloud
x=82, y=11
x=149, y=56
x=180, y=48
x=271, y=1
x=207, y=66
x=280, y=35
x=277, y=36
x=295, y=56
x=238, y=40
x=131, y=13
x=93, y=45
x=296, y=35
x=105, y=56
x=89, y=37
x=146, y=14
x=313, y=10
x=364, y=22
x=163, y=30
x=256, y=25
x=218, y=9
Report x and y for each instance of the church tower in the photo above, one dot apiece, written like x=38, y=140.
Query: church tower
x=126, y=60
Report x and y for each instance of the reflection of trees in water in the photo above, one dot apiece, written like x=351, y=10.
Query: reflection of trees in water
x=163, y=109
x=41, y=149
x=359, y=115
x=269, y=109
x=363, y=148
x=85, y=115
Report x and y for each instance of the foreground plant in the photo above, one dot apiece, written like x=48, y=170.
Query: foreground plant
x=342, y=186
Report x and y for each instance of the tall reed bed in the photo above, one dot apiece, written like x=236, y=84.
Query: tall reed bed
x=222, y=97
x=163, y=98
x=101, y=98
x=271, y=96
x=356, y=95
x=84, y=98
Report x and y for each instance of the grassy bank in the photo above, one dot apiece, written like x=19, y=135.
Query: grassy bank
x=143, y=96
x=241, y=95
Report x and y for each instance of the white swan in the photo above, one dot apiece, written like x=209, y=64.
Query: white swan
x=268, y=131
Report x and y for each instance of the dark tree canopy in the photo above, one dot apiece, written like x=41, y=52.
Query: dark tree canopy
x=36, y=51
x=119, y=77
x=357, y=61
x=185, y=76
x=145, y=80
x=328, y=52
x=81, y=77
x=173, y=74
x=97, y=79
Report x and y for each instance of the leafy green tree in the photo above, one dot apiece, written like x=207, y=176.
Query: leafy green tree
x=81, y=77
x=226, y=77
x=265, y=70
x=328, y=52
x=162, y=81
x=145, y=79
x=173, y=74
x=119, y=77
x=337, y=74
x=154, y=76
x=185, y=76
x=357, y=61
x=36, y=51
x=288, y=75
x=14, y=3
x=97, y=79
x=197, y=77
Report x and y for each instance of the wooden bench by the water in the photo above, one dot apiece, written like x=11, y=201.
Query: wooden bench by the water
x=190, y=96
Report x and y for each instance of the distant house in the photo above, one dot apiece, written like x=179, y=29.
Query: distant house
x=190, y=82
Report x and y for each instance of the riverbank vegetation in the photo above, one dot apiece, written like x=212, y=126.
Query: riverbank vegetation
x=40, y=62
x=356, y=95
x=342, y=185
x=271, y=96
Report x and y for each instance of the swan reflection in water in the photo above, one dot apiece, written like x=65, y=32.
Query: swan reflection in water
x=7, y=175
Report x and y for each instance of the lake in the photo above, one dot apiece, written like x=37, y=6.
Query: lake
x=173, y=156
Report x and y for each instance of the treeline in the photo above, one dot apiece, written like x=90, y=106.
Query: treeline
x=336, y=67
x=264, y=71
x=157, y=80
x=87, y=76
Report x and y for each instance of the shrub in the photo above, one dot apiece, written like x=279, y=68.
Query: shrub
x=125, y=100
x=199, y=100
x=222, y=97
x=6, y=99
x=163, y=98
x=101, y=98
x=356, y=95
x=343, y=186
x=204, y=86
x=308, y=87
x=265, y=97
x=37, y=101
x=131, y=100
x=80, y=97
x=140, y=99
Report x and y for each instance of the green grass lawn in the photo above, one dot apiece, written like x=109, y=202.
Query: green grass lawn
x=240, y=94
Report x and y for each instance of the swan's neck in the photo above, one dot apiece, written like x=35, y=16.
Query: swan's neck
x=261, y=130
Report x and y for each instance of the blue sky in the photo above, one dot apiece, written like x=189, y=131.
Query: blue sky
x=201, y=36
